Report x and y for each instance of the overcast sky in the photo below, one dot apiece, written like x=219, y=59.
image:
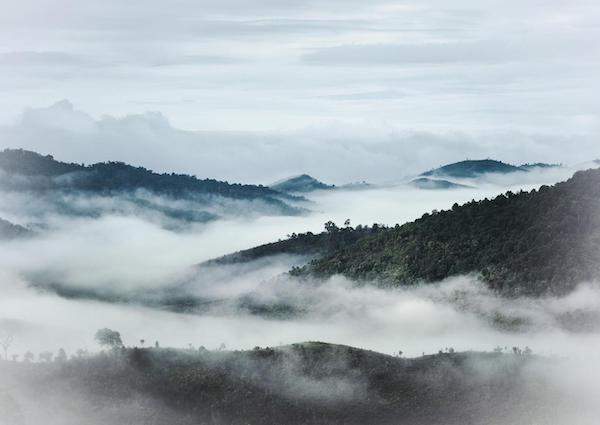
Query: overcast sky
x=376, y=84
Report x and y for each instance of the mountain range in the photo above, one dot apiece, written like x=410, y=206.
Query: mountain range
x=136, y=189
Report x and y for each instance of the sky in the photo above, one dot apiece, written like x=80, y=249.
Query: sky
x=375, y=90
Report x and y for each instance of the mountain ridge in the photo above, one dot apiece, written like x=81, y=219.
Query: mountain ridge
x=28, y=171
x=537, y=242
x=302, y=183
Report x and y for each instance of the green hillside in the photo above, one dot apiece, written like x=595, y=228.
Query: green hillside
x=546, y=240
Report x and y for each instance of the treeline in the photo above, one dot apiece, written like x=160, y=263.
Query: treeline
x=306, y=383
x=305, y=244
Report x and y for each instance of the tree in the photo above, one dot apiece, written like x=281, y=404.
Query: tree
x=61, y=356
x=109, y=338
x=28, y=357
x=5, y=342
x=330, y=227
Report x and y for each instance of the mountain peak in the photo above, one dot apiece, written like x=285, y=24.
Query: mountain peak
x=473, y=168
x=300, y=183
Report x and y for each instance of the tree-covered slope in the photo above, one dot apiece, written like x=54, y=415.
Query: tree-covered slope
x=304, y=244
x=546, y=240
x=472, y=169
x=308, y=383
x=25, y=170
x=107, y=176
x=300, y=184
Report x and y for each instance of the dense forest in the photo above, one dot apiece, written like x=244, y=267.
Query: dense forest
x=543, y=241
x=44, y=172
x=305, y=244
x=308, y=383
x=546, y=240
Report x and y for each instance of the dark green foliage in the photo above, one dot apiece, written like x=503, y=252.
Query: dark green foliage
x=108, y=338
x=529, y=242
x=300, y=184
x=27, y=163
x=45, y=173
x=306, y=244
x=307, y=383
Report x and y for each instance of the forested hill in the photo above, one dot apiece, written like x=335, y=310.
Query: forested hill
x=546, y=240
x=473, y=168
x=300, y=184
x=301, y=384
x=304, y=244
x=44, y=172
x=543, y=241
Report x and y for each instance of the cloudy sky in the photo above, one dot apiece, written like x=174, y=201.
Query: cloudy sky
x=375, y=89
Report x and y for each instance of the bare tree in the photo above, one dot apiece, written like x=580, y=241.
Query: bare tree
x=5, y=342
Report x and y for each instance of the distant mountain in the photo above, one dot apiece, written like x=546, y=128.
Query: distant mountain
x=29, y=171
x=475, y=168
x=539, y=165
x=300, y=184
x=12, y=231
x=472, y=169
x=360, y=185
x=107, y=176
x=435, y=184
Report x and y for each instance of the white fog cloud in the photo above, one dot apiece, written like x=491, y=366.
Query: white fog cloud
x=335, y=153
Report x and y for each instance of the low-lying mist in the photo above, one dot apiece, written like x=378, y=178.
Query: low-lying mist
x=258, y=304
x=124, y=253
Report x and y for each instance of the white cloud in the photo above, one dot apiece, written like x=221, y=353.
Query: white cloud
x=233, y=65
x=337, y=153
